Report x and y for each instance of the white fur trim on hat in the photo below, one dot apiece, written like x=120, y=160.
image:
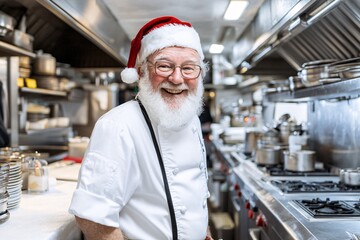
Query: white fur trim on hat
x=168, y=36
x=129, y=75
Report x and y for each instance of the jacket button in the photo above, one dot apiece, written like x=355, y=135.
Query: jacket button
x=194, y=129
x=183, y=209
x=201, y=165
x=175, y=171
x=204, y=202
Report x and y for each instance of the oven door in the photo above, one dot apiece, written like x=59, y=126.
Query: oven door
x=241, y=219
x=258, y=234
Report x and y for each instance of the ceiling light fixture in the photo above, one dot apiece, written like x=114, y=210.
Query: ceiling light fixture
x=235, y=9
x=216, y=48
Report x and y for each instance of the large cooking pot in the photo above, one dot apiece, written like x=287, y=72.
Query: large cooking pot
x=300, y=161
x=268, y=155
x=350, y=176
x=44, y=64
x=270, y=137
x=251, y=139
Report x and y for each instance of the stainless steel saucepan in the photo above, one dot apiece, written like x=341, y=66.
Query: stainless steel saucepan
x=300, y=161
x=268, y=155
x=350, y=176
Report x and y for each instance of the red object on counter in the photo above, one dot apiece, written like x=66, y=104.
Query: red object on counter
x=251, y=214
x=75, y=159
x=260, y=221
x=247, y=204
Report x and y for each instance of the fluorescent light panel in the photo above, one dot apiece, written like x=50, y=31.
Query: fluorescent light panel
x=216, y=48
x=235, y=9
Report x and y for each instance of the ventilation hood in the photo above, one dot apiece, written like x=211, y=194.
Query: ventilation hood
x=311, y=30
x=81, y=33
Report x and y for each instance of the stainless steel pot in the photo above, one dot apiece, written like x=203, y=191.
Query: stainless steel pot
x=7, y=23
x=251, y=139
x=268, y=156
x=44, y=64
x=350, y=176
x=300, y=161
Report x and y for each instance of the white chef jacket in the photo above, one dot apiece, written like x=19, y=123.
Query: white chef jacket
x=121, y=185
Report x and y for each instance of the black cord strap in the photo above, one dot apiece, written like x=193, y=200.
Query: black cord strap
x=166, y=185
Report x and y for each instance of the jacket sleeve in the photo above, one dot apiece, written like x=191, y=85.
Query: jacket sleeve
x=109, y=174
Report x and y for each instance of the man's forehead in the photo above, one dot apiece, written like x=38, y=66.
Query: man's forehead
x=176, y=52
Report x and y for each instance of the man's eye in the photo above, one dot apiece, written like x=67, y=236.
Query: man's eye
x=164, y=66
x=188, y=68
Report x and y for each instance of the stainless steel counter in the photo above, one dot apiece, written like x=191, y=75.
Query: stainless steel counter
x=298, y=224
x=283, y=218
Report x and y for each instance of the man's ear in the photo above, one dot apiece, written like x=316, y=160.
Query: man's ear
x=140, y=72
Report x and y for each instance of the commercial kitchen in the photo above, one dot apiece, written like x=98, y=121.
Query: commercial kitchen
x=283, y=148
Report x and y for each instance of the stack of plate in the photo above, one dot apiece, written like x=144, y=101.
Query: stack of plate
x=14, y=185
x=4, y=196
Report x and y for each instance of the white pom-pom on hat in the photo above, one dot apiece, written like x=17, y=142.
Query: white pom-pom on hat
x=129, y=75
x=166, y=31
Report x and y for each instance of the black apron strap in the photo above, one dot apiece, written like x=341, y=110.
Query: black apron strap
x=166, y=185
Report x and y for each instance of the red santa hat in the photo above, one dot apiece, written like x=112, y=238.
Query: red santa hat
x=157, y=34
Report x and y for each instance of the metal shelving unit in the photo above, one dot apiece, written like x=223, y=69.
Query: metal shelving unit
x=7, y=50
x=41, y=92
x=12, y=52
x=342, y=89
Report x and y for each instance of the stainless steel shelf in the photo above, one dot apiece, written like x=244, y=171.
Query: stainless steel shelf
x=7, y=49
x=41, y=91
x=342, y=89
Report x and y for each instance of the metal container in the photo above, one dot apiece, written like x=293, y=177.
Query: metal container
x=350, y=176
x=300, y=161
x=251, y=139
x=268, y=156
x=7, y=23
x=44, y=64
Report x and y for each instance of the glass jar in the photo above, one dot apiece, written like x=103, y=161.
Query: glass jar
x=38, y=176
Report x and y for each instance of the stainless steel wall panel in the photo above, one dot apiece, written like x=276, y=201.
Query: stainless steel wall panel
x=334, y=131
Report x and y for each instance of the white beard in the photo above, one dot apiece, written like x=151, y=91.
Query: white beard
x=173, y=116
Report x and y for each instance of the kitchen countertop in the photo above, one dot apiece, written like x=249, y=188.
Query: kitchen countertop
x=45, y=215
x=298, y=224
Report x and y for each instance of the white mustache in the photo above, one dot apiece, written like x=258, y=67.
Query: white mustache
x=173, y=87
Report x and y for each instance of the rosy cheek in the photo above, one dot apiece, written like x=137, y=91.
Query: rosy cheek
x=155, y=81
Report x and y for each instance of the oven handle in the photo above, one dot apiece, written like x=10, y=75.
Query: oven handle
x=258, y=234
x=235, y=201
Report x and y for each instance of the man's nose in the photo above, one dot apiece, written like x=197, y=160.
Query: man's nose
x=176, y=77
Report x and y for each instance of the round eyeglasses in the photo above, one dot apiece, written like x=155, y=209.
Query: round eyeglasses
x=165, y=69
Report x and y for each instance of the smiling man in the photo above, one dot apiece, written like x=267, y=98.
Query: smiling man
x=144, y=173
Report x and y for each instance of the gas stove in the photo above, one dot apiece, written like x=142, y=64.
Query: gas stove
x=300, y=186
x=279, y=171
x=325, y=208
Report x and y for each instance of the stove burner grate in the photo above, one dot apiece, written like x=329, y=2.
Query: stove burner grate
x=278, y=170
x=326, y=208
x=298, y=186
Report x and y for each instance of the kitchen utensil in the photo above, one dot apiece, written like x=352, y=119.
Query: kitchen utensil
x=268, y=155
x=19, y=37
x=7, y=23
x=349, y=73
x=251, y=139
x=350, y=176
x=270, y=137
x=300, y=161
x=45, y=64
x=312, y=72
x=295, y=83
